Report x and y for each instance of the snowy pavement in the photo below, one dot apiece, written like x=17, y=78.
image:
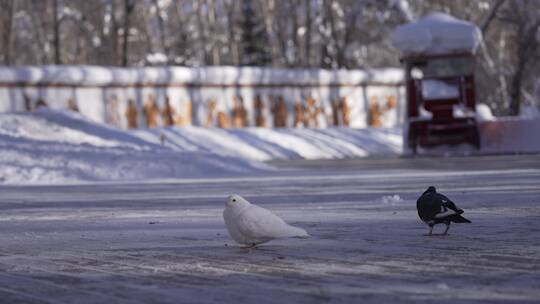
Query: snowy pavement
x=165, y=242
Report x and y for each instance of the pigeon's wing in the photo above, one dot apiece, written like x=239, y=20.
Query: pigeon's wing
x=260, y=223
x=458, y=219
x=428, y=206
x=447, y=203
x=453, y=212
x=449, y=209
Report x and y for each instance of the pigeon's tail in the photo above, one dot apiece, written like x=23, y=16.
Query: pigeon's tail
x=297, y=232
x=459, y=219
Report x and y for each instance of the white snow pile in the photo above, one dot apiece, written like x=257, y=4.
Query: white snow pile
x=62, y=147
x=483, y=113
x=437, y=33
x=264, y=144
x=49, y=146
x=391, y=200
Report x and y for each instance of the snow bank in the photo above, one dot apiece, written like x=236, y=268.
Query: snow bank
x=265, y=144
x=483, y=113
x=392, y=200
x=435, y=34
x=49, y=146
x=62, y=147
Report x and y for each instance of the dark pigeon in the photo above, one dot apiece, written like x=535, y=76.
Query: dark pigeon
x=435, y=208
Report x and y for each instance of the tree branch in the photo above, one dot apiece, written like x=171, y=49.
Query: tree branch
x=491, y=16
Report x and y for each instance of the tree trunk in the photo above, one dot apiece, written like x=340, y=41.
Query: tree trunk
x=231, y=30
x=114, y=34
x=296, y=46
x=527, y=46
x=7, y=16
x=56, y=33
x=350, y=19
x=128, y=8
x=269, y=15
x=491, y=16
x=307, y=44
x=515, y=93
x=161, y=25
x=334, y=34
x=203, y=54
x=212, y=20
x=326, y=57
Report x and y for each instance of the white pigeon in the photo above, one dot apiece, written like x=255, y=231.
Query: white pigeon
x=252, y=225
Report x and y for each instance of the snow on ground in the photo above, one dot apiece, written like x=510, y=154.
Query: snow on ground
x=265, y=144
x=61, y=147
x=50, y=146
x=165, y=241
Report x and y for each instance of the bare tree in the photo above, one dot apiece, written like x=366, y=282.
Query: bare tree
x=231, y=8
x=109, y=34
x=307, y=34
x=56, y=42
x=161, y=26
x=129, y=6
x=491, y=15
x=526, y=19
x=7, y=9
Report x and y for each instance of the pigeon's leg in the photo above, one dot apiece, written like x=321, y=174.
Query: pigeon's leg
x=447, y=227
x=252, y=246
x=430, y=230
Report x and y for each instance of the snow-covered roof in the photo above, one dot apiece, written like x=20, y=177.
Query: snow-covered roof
x=437, y=34
x=223, y=75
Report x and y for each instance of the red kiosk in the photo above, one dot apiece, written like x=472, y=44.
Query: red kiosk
x=438, y=56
